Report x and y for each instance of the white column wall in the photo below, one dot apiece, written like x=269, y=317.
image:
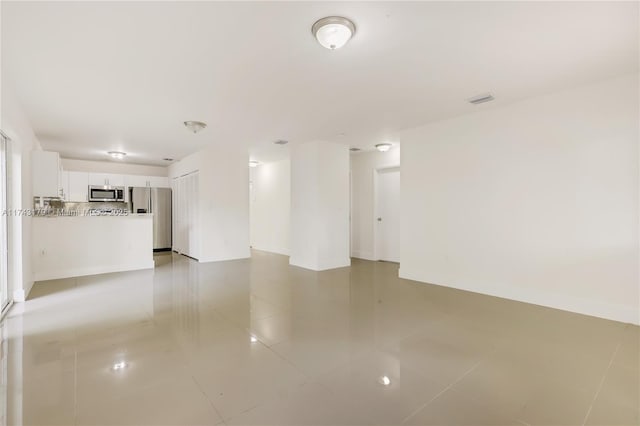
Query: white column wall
x=320, y=206
x=223, y=200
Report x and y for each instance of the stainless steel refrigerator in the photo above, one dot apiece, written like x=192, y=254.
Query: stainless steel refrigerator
x=158, y=202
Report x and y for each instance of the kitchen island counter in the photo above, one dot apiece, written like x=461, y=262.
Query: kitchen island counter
x=72, y=246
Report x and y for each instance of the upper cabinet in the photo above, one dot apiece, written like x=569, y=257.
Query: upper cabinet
x=148, y=181
x=159, y=182
x=106, y=179
x=78, y=187
x=47, y=174
x=49, y=180
x=136, y=180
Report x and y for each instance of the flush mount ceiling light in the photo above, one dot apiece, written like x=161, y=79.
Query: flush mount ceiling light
x=383, y=147
x=117, y=154
x=195, y=126
x=333, y=32
x=253, y=164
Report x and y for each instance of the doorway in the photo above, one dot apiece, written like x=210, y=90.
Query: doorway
x=387, y=217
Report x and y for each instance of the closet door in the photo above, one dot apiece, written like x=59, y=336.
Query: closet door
x=185, y=215
x=193, y=243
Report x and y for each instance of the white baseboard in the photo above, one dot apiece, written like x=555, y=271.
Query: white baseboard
x=94, y=270
x=224, y=259
x=276, y=250
x=365, y=255
x=322, y=265
x=554, y=300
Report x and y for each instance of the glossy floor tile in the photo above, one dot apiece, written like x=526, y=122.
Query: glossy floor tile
x=256, y=341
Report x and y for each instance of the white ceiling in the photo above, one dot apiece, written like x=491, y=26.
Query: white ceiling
x=100, y=76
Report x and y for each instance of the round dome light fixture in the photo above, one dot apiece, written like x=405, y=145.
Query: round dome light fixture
x=383, y=147
x=333, y=32
x=195, y=126
x=253, y=163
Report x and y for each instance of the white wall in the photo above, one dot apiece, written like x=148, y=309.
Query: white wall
x=23, y=140
x=71, y=164
x=363, y=167
x=536, y=201
x=223, y=200
x=320, y=206
x=271, y=206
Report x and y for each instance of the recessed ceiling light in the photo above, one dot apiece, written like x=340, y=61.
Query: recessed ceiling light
x=253, y=339
x=480, y=99
x=383, y=147
x=281, y=142
x=195, y=126
x=118, y=155
x=333, y=32
x=253, y=164
x=168, y=159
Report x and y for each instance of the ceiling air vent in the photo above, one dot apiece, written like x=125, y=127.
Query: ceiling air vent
x=480, y=99
x=281, y=142
x=354, y=149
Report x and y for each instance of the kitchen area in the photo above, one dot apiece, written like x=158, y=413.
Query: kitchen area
x=88, y=222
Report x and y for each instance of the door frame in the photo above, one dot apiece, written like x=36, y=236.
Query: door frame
x=376, y=173
x=6, y=225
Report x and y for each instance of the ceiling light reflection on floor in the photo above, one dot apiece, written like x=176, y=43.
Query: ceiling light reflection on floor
x=384, y=380
x=119, y=366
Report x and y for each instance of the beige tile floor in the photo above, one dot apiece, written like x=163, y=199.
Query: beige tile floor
x=259, y=342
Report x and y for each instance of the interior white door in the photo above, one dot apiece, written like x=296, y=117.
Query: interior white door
x=388, y=214
x=193, y=214
x=185, y=215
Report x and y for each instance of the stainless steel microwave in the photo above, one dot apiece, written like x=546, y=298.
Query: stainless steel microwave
x=106, y=193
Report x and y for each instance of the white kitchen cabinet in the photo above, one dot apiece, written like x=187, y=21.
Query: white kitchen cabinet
x=136, y=181
x=106, y=179
x=65, y=185
x=149, y=181
x=159, y=182
x=78, y=187
x=46, y=174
